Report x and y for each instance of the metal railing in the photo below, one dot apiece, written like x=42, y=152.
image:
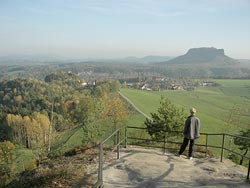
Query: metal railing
x=118, y=139
x=148, y=143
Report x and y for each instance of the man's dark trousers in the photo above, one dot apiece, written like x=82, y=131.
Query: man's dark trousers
x=184, y=145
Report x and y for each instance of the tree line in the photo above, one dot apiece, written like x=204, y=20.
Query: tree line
x=125, y=70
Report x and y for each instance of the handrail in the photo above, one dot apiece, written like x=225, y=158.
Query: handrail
x=119, y=141
x=222, y=147
x=117, y=132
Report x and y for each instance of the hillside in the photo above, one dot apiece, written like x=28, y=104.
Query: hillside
x=74, y=169
x=146, y=59
x=204, y=62
x=205, y=55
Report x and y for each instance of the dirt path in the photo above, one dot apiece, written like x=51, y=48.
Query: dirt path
x=135, y=107
x=148, y=168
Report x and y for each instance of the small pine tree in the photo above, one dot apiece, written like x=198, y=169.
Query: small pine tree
x=168, y=118
x=243, y=143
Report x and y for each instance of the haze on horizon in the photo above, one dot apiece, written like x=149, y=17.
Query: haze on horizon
x=115, y=29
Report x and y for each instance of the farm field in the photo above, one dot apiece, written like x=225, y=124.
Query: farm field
x=221, y=109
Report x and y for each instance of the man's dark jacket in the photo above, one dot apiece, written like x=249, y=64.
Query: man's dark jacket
x=192, y=127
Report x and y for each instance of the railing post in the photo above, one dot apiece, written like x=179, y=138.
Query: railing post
x=118, y=144
x=125, y=137
x=164, y=142
x=100, y=164
x=248, y=172
x=222, y=147
x=206, y=145
x=114, y=129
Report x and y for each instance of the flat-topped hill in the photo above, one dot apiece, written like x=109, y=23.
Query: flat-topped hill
x=204, y=55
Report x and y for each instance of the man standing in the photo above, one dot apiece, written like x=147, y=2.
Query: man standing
x=191, y=132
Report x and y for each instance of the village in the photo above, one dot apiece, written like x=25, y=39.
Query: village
x=164, y=83
x=146, y=82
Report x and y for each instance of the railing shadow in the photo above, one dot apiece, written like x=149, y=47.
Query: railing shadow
x=120, y=138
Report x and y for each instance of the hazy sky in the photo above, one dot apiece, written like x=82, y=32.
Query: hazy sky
x=120, y=28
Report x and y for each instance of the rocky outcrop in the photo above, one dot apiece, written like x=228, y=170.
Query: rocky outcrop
x=150, y=168
x=204, y=55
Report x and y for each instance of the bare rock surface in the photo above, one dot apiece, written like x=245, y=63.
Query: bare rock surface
x=150, y=168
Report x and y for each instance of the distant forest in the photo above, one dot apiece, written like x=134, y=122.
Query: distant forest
x=124, y=71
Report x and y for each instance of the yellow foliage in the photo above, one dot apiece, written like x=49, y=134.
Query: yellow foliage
x=32, y=165
x=114, y=109
x=34, y=130
x=18, y=99
x=6, y=149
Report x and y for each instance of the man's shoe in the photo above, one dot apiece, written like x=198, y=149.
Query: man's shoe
x=190, y=158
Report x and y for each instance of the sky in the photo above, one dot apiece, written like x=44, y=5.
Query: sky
x=122, y=28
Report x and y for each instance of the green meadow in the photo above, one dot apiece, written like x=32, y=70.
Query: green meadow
x=221, y=109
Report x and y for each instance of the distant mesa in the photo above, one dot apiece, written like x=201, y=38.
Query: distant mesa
x=204, y=55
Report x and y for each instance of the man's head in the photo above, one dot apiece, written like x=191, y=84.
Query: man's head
x=192, y=110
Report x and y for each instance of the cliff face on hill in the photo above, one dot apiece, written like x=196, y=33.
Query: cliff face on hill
x=211, y=56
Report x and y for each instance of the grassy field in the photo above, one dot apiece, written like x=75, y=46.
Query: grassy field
x=97, y=132
x=221, y=109
x=218, y=109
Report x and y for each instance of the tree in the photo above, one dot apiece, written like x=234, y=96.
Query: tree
x=6, y=149
x=6, y=156
x=168, y=118
x=28, y=131
x=114, y=109
x=14, y=122
x=5, y=132
x=44, y=125
x=243, y=144
x=85, y=110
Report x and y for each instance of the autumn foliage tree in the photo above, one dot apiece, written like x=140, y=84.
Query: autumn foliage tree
x=6, y=151
x=30, y=131
x=6, y=156
x=114, y=109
